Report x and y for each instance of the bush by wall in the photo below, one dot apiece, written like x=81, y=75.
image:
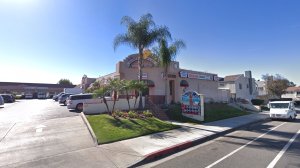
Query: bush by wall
x=257, y=102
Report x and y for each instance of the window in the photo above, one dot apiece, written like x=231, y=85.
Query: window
x=240, y=85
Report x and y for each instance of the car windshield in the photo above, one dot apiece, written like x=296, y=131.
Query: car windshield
x=279, y=105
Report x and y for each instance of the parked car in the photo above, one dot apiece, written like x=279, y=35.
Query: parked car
x=8, y=98
x=55, y=97
x=1, y=101
x=282, y=110
x=76, y=101
x=63, y=98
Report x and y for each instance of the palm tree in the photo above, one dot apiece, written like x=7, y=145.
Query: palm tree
x=127, y=86
x=101, y=93
x=115, y=86
x=141, y=35
x=166, y=54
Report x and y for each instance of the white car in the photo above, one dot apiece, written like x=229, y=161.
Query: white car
x=76, y=101
x=1, y=101
x=282, y=110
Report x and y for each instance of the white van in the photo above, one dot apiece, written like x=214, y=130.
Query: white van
x=282, y=110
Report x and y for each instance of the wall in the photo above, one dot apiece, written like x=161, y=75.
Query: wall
x=96, y=106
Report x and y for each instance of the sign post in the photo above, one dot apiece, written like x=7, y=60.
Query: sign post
x=192, y=105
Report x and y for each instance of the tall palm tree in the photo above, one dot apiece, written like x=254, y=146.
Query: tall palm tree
x=141, y=35
x=166, y=54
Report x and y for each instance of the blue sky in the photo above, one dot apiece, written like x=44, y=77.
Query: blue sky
x=45, y=40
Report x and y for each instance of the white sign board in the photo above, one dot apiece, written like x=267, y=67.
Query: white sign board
x=192, y=105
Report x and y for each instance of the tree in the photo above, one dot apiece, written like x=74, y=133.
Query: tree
x=141, y=35
x=101, y=93
x=276, y=84
x=64, y=82
x=166, y=55
x=127, y=86
x=115, y=86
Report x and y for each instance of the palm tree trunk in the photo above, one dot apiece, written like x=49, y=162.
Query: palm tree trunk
x=166, y=85
x=127, y=97
x=140, y=75
x=114, y=97
x=105, y=102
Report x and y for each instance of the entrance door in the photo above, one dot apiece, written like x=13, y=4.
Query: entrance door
x=172, y=90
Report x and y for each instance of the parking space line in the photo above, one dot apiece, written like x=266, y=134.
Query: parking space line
x=7, y=132
x=284, y=149
x=233, y=152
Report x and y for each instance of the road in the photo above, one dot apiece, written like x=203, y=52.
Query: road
x=272, y=143
x=32, y=130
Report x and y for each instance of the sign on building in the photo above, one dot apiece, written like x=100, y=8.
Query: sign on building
x=192, y=105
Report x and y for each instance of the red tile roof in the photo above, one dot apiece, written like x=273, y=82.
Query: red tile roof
x=293, y=89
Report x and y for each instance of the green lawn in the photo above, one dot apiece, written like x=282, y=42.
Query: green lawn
x=219, y=111
x=212, y=112
x=109, y=129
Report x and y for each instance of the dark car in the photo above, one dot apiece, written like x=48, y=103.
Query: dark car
x=63, y=98
x=8, y=98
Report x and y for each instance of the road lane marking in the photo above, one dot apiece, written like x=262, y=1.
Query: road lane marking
x=233, y=152
x=39, y=128
x=284, y=149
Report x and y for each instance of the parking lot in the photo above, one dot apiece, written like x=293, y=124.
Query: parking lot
x=32, y=110
x=36, y=129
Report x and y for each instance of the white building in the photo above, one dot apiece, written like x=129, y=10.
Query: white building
x=240, y=86
x=261, y=88
x=292, y=92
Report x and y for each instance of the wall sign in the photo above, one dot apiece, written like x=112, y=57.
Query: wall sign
x=185, y=74
x=144, y=76
x=192, y=105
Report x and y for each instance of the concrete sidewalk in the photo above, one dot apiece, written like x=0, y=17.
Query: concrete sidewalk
x=132, y=151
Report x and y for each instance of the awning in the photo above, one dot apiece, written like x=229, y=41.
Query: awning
x=149, y=83
x=184, y=83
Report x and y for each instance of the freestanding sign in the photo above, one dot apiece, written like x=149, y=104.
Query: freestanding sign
x=192, y=105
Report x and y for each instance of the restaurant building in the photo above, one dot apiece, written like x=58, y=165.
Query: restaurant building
x=178, y=80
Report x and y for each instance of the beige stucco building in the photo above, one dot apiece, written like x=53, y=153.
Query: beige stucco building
x=178, y=79
x=240, y=86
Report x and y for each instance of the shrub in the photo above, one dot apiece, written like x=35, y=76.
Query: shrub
x=147, y=113
x=118, y=113
x=257, y=102
x=132, y=114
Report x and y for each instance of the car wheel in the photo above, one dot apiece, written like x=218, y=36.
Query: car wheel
x=79, y=107
x=65, y=102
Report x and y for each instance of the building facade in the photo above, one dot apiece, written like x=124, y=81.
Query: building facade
x=261, y=88
x=292, y=92
x=178, y=80
x=32, y=88
x=240, y=86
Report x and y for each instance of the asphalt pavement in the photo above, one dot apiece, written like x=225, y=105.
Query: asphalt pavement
x=32, y=130
x=257, y=145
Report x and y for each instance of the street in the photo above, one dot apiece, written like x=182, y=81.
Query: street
x=258, y=145
x=36, y=129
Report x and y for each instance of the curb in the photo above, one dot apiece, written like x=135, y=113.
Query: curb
x=89, y=128
x=184, y=145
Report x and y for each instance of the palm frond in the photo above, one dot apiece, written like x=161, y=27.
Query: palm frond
x=127, y=21
x=122, y=39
